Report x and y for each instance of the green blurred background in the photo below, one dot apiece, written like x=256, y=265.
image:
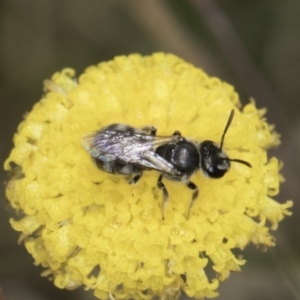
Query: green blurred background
x=254, y=45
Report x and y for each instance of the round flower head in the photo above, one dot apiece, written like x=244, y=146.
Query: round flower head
x=92, y=228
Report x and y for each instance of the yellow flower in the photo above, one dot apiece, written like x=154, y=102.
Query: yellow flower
x=91, y=228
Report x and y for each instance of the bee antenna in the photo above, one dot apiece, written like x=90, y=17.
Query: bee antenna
x=222, y=142
x=226, y=128
x=241, y=162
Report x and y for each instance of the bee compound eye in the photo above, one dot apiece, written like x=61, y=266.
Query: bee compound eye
x=215, y=172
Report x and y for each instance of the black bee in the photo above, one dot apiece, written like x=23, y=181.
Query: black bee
x=122, y=149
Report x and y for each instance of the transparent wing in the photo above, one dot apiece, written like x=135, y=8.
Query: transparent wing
x=129, y=147
x=154, y=161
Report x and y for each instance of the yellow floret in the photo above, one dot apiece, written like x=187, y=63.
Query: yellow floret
x=88, y=227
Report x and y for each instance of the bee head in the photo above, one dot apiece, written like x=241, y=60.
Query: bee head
x=213, y=161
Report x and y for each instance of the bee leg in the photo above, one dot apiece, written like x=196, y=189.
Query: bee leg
x=135, y=178
x=162, y=187
x=177, y=133
x=149, y=130
x=195, y=189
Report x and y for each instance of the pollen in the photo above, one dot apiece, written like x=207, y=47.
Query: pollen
x=91, y=228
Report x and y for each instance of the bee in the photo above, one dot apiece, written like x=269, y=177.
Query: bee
x=122, y=149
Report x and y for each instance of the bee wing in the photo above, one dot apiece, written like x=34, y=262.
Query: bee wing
x=127, y=147
x=89, y=143
x=156, y=162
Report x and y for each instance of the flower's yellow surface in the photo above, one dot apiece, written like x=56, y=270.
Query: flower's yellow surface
x=91, y=228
